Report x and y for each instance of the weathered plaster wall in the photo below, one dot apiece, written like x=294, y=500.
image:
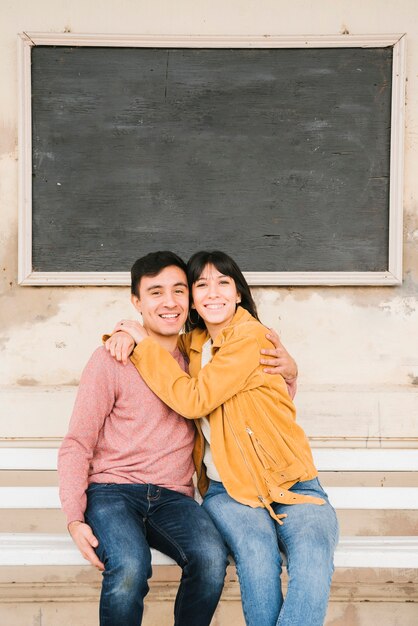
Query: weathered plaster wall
x=357, y=348
x=358, y=340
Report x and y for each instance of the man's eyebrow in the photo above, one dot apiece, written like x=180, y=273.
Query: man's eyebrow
x=179, y=284
x=154, y=287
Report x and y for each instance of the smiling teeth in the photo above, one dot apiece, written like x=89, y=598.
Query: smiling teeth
x=214, y=306
x=170, y=316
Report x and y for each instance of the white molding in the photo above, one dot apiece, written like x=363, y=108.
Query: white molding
x=28, y=458
x=29, y=498
x=370, y=498
x=28, y=277
x=17, y=549
x=365, y=460
x=50, y=549
x=326, y=459
x=384, y=552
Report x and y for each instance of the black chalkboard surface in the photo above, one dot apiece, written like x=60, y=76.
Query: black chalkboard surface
x=281, y=157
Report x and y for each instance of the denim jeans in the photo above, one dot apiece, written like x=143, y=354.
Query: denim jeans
x=308, y=538
x=127, y=520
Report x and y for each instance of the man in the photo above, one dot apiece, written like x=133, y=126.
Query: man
x=125, y=468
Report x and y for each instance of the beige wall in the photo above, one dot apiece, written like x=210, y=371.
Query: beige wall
x=360, y=343
x=357, y=348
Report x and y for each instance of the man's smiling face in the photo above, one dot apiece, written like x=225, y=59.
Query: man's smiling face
x=163, y=302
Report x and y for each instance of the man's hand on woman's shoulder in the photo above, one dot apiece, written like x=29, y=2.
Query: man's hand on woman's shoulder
x=280, y=362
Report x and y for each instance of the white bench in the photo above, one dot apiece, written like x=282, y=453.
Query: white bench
x=364, y=551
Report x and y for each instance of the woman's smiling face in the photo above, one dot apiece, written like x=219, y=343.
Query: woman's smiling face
x=215, y=298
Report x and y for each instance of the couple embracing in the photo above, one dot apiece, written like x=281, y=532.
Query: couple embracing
x=153, y=407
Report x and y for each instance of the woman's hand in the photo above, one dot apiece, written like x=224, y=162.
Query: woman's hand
x=120, y=346
x=133, y=328
x=124, y=337
x=281, y=361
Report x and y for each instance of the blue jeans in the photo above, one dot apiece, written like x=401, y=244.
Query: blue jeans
x=129, y=519
x=308, y=538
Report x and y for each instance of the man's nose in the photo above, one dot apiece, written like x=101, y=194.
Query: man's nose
x=169, y=300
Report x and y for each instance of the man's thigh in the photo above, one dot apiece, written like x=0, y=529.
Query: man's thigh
x=178, y=526
x=115, y=515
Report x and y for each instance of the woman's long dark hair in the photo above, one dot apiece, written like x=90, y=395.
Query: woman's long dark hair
x=226, y=266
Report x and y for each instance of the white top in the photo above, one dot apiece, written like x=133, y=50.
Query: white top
x=211, y=470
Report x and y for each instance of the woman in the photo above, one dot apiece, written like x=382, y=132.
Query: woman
x=254, y=465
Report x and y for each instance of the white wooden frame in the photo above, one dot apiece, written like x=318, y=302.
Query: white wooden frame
x=26, y=41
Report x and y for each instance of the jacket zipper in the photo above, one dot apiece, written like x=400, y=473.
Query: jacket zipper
x=264, y=501
x=259, y=496
x=200, y=435
x=258, y=449
x=267, y=455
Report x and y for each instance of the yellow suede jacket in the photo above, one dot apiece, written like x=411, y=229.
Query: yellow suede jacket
x=258, y=449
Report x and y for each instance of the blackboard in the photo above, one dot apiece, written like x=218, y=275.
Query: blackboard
x=281, y=157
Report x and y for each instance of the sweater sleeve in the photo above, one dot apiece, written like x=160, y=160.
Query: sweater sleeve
x=95, y=400
x=234, y=367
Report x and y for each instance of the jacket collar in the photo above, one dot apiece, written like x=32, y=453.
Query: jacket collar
x=199, y=336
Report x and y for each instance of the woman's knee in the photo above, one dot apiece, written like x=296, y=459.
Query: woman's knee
x=312, y=566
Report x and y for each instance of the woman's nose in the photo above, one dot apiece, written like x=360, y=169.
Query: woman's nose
x=213, y=290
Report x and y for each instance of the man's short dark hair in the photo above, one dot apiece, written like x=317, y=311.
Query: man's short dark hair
x=152, y=264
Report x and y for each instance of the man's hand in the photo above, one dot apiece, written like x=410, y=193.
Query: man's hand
x=120, y=346
x=85, y=541
x=281, y=361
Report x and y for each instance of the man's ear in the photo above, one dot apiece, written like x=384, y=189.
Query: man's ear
x=136, y=302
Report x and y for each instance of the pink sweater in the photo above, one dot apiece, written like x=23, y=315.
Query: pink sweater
x=121, y=432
